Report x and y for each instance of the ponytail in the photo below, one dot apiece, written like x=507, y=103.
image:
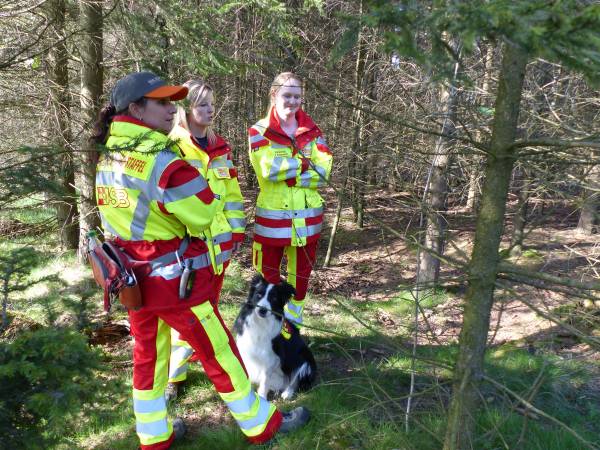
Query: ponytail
x=100, y=130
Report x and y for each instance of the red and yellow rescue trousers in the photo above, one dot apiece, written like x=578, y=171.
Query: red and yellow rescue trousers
x=266, y=259
x=181, y=351
x=203, y=327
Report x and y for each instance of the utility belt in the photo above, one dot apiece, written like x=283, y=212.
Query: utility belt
x=118, y=274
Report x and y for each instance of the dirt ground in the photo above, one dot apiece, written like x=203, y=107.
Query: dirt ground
x=371, y=264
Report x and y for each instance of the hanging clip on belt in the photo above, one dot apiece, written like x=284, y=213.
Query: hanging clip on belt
x=186, y=281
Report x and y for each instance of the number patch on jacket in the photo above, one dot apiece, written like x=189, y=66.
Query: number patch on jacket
x=110, y=196
x=222, y=172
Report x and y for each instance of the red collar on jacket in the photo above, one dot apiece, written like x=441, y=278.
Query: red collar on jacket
x=306, y=132
x=219, y=148
x=129, y=119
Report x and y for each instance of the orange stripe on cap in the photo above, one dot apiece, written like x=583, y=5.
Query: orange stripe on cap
x=170, y=92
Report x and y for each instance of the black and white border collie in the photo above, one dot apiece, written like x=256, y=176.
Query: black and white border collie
x=278, y=363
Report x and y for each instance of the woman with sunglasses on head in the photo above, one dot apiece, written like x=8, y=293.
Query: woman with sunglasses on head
x=150, y=200
x=292, y=161
x=204, y=149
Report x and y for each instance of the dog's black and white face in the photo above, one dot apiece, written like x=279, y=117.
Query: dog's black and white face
x=265, y=304
x=269, y=299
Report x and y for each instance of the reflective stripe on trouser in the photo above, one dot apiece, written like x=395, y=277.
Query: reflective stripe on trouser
x=181, y=351
x=180, y=355
x=266, y=259
x=150, y=364
x=203, y=328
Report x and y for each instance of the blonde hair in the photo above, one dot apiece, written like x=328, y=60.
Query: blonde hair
x=278, y=82
x=198, y=90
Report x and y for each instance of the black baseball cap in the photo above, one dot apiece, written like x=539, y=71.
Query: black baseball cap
x=136, y=85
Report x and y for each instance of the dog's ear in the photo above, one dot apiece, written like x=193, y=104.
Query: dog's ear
x=256, y=280
x=287, y=290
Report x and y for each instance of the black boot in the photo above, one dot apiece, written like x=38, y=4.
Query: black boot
x=179, y=428
x=294, y=419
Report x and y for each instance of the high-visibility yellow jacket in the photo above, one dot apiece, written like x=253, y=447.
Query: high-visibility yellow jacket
x=148, y=198
x=290, y=171
x=215, y=164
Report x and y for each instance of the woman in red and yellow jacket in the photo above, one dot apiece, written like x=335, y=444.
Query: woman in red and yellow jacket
x=292, y=161
x=151, y=201
x=211, y=155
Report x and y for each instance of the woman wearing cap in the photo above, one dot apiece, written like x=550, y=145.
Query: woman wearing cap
x=149, y=199
x=291, y=161
x=201, y=147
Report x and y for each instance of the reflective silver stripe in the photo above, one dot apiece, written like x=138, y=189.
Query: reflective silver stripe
x=149, y=406
x=289, y=214
x=155, y=428
x=322, y=172
x=288, y=315
x=276, y=167
x=321, y=140
x=273, y=213
x=278, y=233
x=294, y=308
x=108, y=178
x=256, y=138
x=140, y=217
x=310, y=230
x=180, y=353
x=221, y=163
x=291, y=173
x=261, y=416
x=236, y=223
x=276, y=145
x=180, y=370
x=195, y=163
x=242, y=405
x=172, y=256
x=174, y=270
x=200, y=261
x=305, y=179
x=223, y=237
x=223, y=257
x=188, y=189
x=233, y=206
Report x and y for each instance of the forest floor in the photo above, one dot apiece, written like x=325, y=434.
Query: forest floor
x=360, y=325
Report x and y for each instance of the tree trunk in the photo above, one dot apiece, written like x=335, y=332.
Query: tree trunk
x=356, y=160
x=520, y=217
x=58, y=78
x=435, y=207
x=484, y=259
x=92, y=77
x=474, y=193
x=336, y=220
x=589, y=209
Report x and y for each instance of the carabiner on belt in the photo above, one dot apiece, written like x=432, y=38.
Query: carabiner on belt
x=186, y=281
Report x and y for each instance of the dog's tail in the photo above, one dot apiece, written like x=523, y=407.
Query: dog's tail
x=306, y=374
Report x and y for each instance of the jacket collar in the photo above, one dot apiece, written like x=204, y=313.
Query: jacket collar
x=306, y=132
x=130, y=127
x=219, y=148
